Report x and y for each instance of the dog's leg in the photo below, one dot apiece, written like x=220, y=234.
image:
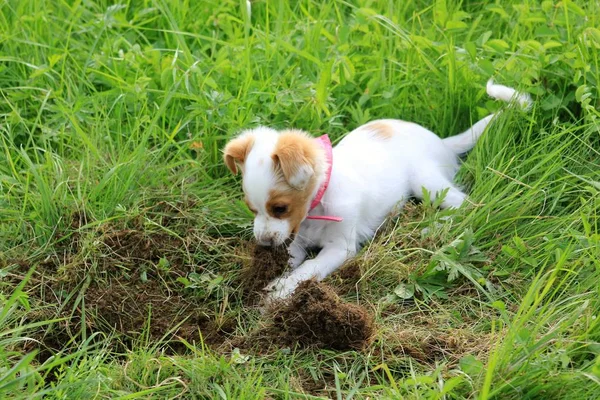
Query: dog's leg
x=330, y=258
x=435, y=182
x=297, y=252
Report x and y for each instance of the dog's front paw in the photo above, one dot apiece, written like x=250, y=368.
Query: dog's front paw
x=281, y=288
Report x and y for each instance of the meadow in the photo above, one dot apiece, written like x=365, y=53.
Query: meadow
x=123, y=235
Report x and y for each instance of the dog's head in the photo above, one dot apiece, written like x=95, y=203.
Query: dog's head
x=281, y=173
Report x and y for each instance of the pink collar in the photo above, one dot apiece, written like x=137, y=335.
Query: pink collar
x=326, y=143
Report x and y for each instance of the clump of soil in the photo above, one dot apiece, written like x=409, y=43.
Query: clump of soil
x=267, y=263
x=315, y=316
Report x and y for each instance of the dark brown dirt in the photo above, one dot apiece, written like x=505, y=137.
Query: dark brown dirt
x=119, y=274
x=137, y=290
x=267, y=263
x=346, y=279
x=132, y=247
x=124, y=286
x=315, y=316
x=128, y=307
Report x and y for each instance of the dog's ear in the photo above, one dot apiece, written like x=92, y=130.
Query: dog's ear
x=236, y=151
x=294, y=155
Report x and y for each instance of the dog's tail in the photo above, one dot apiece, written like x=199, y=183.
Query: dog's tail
x=466, y=141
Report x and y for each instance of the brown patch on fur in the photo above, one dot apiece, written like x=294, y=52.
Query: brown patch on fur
x=381, y=130
x=296, y=201
x=294, y=151
x=236, y=150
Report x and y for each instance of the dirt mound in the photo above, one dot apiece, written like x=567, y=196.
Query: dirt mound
x=315, y=316
x=138, y=289
x=132, y=247
x=131, y=309
x=267, y=263
x=131, y=282
x=149, y=285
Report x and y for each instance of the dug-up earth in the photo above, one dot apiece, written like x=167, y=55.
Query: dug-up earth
x=134, y=285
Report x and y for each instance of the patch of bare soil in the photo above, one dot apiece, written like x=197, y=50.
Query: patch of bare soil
x=134, y=290
x=132, y=287
x=128, y=279
x=133, y=308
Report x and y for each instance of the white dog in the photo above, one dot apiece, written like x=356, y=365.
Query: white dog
x=335, y=199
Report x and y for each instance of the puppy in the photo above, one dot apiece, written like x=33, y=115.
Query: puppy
x=334, y=199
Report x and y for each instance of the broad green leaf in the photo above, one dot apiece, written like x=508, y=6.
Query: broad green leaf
x=456, y=25
x=574, y=7
x=440, y=12
x=582, y=93
x=405, y=291
x=471, y=49
x=551, y=102
x=593, y=34
x=498, y=10
x=497, y=44
x=551, y=44
x=470, y=365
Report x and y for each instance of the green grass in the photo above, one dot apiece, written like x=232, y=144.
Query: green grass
x=112, y=117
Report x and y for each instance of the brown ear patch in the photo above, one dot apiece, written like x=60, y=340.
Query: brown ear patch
x=236, y=151
x=298, y=157
x=301, y=161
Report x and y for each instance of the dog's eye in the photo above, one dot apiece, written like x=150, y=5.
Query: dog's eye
x=279, y=210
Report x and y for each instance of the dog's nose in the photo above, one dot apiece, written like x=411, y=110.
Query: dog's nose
x=266, y=241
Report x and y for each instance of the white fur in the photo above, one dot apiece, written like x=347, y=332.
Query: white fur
x=259, y=180
x=269, y=230
x=371, y=175
x=301, y=178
